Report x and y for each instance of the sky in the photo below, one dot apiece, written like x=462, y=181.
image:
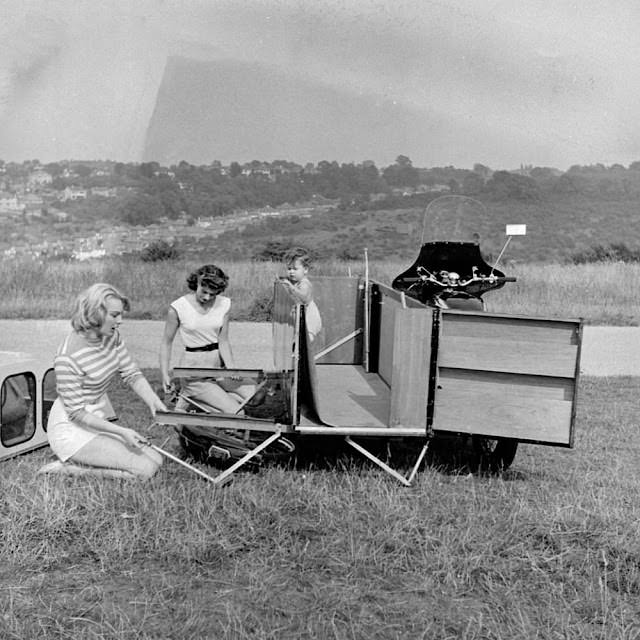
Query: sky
x=502, y=83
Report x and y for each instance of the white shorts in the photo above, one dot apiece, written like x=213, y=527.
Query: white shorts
x=66, y=438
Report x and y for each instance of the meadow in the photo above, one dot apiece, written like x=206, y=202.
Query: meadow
x=331, y=549
x=550, y=549
x=603, y=293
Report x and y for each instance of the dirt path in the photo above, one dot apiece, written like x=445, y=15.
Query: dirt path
x=606, y=351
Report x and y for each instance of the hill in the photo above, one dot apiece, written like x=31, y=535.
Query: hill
x=335, y=210
x=557, y=229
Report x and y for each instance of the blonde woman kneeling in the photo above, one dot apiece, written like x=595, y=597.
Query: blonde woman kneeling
x=79, y=431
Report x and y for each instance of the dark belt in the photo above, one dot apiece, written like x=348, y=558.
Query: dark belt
x=207, y=347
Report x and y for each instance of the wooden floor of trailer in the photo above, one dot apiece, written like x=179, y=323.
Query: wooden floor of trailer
x=348, y=396
x=350, y=402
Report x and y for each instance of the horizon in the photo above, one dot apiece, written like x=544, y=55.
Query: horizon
x=226, y=165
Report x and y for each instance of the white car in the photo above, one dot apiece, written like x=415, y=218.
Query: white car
x=27, y=391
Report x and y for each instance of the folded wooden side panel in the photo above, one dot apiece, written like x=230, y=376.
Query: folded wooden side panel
x=508, y=376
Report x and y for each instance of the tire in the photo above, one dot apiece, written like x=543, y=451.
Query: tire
x=493, y=455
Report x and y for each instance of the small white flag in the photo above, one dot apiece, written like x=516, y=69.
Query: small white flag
x=516, y=230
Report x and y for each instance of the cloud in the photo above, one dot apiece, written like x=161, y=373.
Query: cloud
x=556, y=81
x=78, y=80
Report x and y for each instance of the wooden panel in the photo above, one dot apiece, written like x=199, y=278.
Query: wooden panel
x=507, y=384
x=509, y=328
x=283, y=318
x=389, y=301
x=498, y=415
x=411, y=363
x=349, y=397
x=341, y=306
x=385, y=349
x=307, y=427
x=496, y=354
x=400, y=297
x=508, y=376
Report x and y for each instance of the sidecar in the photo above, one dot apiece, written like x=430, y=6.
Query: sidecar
x=27, y=391
x=387, y=366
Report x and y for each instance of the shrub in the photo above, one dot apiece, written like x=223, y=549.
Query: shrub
x=159, y=250
x=261, y=308
x=273, y=251
x=609, y=253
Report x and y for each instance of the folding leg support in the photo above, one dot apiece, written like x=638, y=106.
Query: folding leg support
x=245, y=458
x=416, y=466
x=398, y=476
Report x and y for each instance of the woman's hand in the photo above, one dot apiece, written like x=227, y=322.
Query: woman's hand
x=133, y=438
x=167, y=385
x=157, y=405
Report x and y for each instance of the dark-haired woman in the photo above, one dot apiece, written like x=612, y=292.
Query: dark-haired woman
x=202, y=318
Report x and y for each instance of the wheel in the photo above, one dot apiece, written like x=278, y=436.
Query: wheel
x=493, y=455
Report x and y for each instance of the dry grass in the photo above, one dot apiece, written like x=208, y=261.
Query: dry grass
x=551, y=550
x=601, y=294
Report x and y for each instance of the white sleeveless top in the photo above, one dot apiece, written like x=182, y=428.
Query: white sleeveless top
x=200, y=329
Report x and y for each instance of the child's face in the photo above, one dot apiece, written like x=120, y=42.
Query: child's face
x=296, y=271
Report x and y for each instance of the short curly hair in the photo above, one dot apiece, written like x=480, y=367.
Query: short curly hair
x=297, y=253
x=210, y=276
x=90, y=310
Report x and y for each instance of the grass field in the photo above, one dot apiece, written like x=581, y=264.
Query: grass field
x=550, y=550
x=599, y=293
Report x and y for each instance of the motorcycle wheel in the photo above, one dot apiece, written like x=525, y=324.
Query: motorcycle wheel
x=493, y=455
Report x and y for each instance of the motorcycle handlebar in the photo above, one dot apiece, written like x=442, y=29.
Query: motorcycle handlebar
x=465, y=283
x=491, y=279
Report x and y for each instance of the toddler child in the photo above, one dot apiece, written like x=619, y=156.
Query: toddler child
x=297, y=262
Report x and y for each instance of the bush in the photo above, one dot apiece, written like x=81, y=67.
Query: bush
x=159, y=250
x=273, y=251
x=610, y=253
x=261, y=308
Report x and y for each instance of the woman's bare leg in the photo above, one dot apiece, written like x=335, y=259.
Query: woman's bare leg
x=216, y=397
x=108, y=456
x=238, y=390
x=70, y=469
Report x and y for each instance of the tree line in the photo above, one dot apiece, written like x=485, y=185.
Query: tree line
x=146, y=192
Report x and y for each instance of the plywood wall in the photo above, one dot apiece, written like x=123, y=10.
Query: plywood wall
x=507, y=376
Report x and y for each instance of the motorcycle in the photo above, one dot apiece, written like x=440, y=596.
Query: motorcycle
x=452, y=273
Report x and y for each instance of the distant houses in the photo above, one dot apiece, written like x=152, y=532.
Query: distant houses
x=104, y=192
x=39, y=178
x=31, y=203
x=9, y=204
x=73, y=193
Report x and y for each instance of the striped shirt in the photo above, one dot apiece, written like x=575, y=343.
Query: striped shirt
x=82, y=376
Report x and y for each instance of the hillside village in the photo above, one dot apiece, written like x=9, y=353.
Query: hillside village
x=30, y=199
x=124, y=239
x=42, y=202
x=91, y=209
